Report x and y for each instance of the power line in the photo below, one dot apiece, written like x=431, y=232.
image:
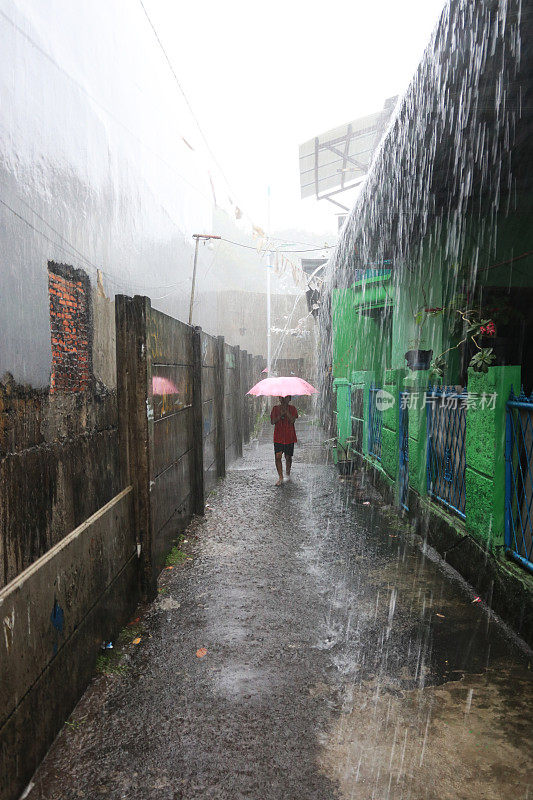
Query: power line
x=283, y=335
x=175, y=288
x=100, y=105
x=81, y=255
x=286, y=241
x=189, y=106
x=115, y=280
x=251, y=247
x=180, y=87
x=74, y=252
x=210, y=267
x=48, y=239
x=119, y=122
x=508, y=261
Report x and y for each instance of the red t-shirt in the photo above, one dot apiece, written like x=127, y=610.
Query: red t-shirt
x=284, y=432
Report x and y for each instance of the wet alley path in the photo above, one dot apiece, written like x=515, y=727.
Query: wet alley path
x=341, y=662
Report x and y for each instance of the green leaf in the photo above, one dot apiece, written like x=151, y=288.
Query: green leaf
x=437, y=367
x=483, y=360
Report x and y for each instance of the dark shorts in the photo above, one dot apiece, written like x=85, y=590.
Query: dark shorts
x=288, y=449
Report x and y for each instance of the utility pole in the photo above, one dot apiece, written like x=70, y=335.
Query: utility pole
x=269, y=348
x=197, y=236
x=269, y=267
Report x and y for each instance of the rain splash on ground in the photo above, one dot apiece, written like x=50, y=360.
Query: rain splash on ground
x=342, y=662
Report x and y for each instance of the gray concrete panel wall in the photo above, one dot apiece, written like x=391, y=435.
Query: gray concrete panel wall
x=59, y=463
x=183, y=413
x=55, y=614
x=209, y=417
x=170, y=348
x=229, y=403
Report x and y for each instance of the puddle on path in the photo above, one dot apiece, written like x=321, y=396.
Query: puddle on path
x=463, y=740
x=432, y=693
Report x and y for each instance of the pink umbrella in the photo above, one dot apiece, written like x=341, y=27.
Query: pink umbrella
x=281, y=387
x=162, y=385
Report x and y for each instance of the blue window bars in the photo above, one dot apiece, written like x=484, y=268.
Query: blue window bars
x=519, y=479
x=375, y=424
x=446, y=462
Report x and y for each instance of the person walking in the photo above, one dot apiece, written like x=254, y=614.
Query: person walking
x=282, y=417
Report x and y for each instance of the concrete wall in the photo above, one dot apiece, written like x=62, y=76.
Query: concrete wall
x=59, y=463
x=183, y=416
x=230, y=399
x=55, y=615
x=209, y=412
x=60, y=455
x=59, y=452
x=108, y=172
x=170, y=395
x=104, y=339
x=486, y=454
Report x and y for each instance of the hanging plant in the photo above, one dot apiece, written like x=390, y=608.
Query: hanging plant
x=437, y=367
x=489, y=329
x=483, y=360
x=466, y=323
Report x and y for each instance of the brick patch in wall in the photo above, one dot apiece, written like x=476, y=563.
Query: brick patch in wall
x=70, y=328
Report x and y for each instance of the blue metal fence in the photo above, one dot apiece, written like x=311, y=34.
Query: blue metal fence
x=403, y=473
x=446, y=462
x=357, y=415
x=519, y=479
x=375, y=423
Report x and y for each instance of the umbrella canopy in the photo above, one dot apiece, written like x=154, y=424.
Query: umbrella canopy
x=282, y=387
x=162, y=385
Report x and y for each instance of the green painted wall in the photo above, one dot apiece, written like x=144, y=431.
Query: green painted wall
x=344, y=322
x=361, y=341
x=341, y=388
x=416, y=384
x=485, y=452
x=418, y=286
x=390, y=443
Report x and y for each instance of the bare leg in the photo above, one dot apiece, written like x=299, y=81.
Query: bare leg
x=288, y=464
x=279, y=467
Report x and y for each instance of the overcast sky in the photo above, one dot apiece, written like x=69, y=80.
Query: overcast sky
x=264, y=77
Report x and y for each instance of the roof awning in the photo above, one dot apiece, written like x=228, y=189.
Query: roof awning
x=374, y=290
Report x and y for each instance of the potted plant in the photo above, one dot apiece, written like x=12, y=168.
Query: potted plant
x=418, y=359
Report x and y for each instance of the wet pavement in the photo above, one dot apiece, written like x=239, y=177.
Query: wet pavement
x=342, y=661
